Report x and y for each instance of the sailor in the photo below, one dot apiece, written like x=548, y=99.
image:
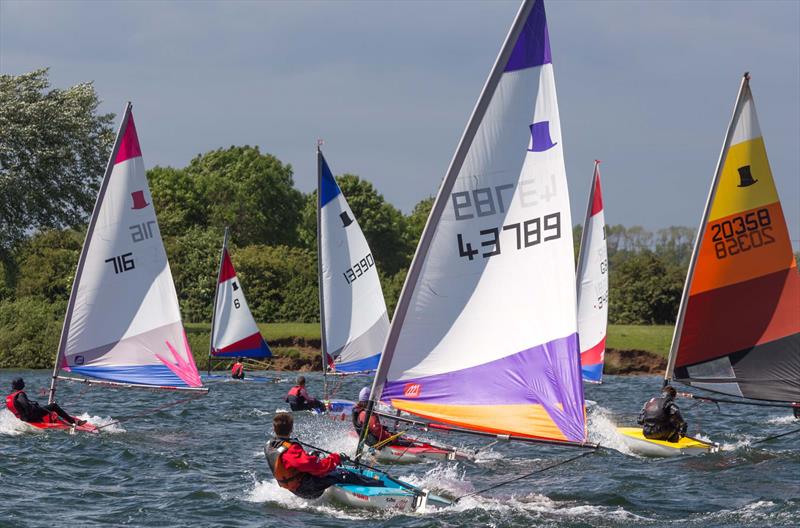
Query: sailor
x=307, y=475
x=30, y=411
x=376, y=432
x=796, y=410
x=237, y=370
x=661, y=419
x=299, y=400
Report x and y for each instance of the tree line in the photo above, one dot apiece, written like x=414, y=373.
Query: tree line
x=53, y=148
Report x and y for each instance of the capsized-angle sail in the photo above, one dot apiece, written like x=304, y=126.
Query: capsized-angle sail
x=593, y=285
x=234, y=330
x=738, y=329
x=485, y=333
x=123, y=323
x=354, y=317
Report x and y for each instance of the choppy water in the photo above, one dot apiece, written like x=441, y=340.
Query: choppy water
x=201, y=464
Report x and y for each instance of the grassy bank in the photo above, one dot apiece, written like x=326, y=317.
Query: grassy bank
x=655, y=338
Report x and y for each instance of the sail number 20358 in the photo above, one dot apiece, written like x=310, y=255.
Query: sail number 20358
x=742, y=233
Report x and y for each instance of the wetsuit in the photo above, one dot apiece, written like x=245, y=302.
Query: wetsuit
x=299, y=400
x=661, y=420
x=30, y=411
x=237, y=371
x=376, y=432
x=306, y=475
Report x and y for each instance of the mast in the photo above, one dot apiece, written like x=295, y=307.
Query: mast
x=324, y=340
x=439, y=206
x=584, y=236
x=62, y=343
x=676, y=336
x=216, y=292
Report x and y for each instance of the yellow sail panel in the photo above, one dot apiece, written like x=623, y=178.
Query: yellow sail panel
x=517, y=420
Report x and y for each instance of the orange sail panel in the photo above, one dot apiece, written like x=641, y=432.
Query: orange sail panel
x=739, y=330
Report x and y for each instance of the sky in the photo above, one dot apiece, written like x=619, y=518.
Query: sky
x=647, y=87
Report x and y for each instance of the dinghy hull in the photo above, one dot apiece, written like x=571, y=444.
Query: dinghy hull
x=393, y=496
x=85, y=428
x=635, y=441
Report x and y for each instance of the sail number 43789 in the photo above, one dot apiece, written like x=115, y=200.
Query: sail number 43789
x=742, y=233
x=526, y=234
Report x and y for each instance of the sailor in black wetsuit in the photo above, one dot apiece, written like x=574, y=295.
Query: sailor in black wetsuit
x=30, y=411
x=299, y=399
x=661, y=419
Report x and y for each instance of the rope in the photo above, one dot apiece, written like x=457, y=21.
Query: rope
x=773, y=437
x=150, y=411
x=387, y=440
x=540, y=470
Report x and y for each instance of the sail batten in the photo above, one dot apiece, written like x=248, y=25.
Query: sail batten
x=123, y=322
x=486, y=322
x=738, y=329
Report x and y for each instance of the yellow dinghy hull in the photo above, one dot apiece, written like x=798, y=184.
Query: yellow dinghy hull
x=636, y=442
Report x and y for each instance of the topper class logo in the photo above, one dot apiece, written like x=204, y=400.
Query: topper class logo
x=412, y=390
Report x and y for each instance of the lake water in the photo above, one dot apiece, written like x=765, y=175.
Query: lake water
x=202, y=464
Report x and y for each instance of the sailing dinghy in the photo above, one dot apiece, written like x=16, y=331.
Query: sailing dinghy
x=738, y=328
x=123, y=325
x=485, y=333
x=593, y=285
x=353, y=316
x=234, y=332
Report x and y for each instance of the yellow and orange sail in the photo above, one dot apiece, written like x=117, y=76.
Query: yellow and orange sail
x=738, y=330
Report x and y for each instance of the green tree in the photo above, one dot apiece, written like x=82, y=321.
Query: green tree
x=53, y=151
x=47, y=263
x=644, y=290
x=280, y=282
x=253, y=193
x=29, y=332
x=194, y=261
x=415, y=224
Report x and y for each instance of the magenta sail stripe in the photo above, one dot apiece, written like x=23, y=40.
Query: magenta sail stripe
x=548, y=375
x=533, y=44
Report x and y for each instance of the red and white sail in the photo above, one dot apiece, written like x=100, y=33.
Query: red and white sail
x=234, y=330
x=593, y=285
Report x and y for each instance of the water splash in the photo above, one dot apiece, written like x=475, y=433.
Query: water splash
x=603, y=431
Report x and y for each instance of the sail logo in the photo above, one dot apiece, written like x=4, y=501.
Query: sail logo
x=540, y=137
x=412, y=390
x=745, y=177
x=139, y=201
x=346, y=220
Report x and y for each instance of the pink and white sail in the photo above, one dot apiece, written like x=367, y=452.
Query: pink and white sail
x=123, y=323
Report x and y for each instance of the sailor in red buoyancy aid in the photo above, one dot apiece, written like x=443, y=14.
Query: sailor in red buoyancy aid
x=30, y=411
x=376, y=432
x=299, y=400
x=305, y=474
x=237, y=370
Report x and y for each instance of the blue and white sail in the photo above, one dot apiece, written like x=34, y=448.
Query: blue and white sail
x=353, y=312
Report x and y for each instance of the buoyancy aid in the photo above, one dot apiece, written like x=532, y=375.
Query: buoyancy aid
x=288, y=478
x=237, y=370
x=655, y=412
x=11, y=404
x=358, y=425
x=294, y=396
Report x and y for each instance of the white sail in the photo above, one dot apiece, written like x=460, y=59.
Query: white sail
x=234, y=332
x=593, y=285
x=123, y=323
x=354, y=318
x=485, y=333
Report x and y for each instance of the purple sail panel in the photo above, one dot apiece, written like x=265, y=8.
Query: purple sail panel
x=533, y=44
x=548, y=375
